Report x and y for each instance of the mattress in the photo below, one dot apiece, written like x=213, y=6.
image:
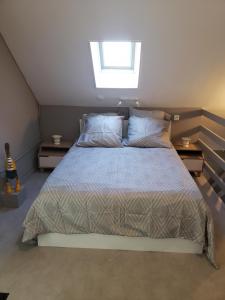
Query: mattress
x=134, y=192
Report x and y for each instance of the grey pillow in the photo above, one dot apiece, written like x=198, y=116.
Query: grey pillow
x=101, y=131
x=148, y=132
x=157, y=114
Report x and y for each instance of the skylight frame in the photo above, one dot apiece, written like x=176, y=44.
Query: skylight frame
x=116, y=78
x=105, y=67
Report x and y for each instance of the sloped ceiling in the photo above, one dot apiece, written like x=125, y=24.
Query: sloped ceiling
x=183, y=48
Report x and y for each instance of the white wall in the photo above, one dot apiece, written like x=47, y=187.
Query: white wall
x=19, y=123
x=183, y=50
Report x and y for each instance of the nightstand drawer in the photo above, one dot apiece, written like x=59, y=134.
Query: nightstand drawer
x=49, y=162
x=50, y=154
x=192, y=164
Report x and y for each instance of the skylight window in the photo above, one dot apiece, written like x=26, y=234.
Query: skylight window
x=117, y=55
x=116, y=64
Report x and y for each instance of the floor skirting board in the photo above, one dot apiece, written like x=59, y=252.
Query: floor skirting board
x=101, y=241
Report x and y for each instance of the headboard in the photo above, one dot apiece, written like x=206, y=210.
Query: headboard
x=64, y=120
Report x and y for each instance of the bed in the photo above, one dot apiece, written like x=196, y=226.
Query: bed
x=121, y=198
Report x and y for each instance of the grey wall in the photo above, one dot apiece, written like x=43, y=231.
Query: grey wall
x=64, y=120
x=19, y=124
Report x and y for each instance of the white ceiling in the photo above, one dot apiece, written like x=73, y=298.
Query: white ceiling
x=183, y=48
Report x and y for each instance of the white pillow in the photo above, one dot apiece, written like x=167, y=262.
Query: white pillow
x=85, y=116
x=101, y=131
x=147, y=132
x=157, y=114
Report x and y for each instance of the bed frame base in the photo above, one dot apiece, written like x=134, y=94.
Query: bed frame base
x=101, y=241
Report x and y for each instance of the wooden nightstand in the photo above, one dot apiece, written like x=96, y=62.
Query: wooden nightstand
x=50, y=155
x=191, y=156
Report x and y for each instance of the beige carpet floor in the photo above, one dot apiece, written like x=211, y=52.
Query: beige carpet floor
x=32, y=273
